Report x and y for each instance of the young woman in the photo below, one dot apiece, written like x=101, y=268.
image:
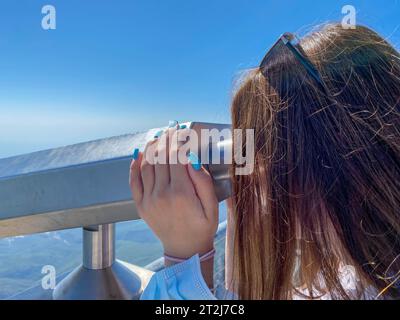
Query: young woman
x=319, y=218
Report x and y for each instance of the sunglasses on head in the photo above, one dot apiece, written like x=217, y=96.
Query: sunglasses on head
x=290, y=41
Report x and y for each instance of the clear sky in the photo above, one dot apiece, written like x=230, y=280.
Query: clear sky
x=119, y=66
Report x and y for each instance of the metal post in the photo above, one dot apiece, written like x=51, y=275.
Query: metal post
x=99, y=246
x=101, y=277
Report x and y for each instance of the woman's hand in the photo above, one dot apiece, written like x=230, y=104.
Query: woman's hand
x=177, y=201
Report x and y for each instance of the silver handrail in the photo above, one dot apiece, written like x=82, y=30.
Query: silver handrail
x=68, y=187
x=74, y=186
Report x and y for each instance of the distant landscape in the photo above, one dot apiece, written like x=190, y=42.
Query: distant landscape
x=22, y=258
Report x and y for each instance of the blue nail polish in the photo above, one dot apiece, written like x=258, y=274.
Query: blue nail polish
x=135, y=154
x=194, y=161
x=182, y=126
x=172, y=123
x=158, y=134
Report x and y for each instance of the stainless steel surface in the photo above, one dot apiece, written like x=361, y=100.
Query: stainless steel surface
x=121, y=281
x=78, y=185
x=66, y=219
x=99, y=246
x=68, y=187
x=38, y=293
x=100, y=276
x=221, y=172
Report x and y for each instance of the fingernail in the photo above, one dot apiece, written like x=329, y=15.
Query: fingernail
x=172, y=123
x=135, y=154
x=158, y=134
x=194, y=161
x=182, y=126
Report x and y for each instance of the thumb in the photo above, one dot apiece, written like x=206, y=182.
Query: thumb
x=203, y=185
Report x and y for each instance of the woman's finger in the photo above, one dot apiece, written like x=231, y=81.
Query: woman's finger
x=135, y=178
x=161, y=168
x=147, y=168
x=202, y=182
x=178, y=164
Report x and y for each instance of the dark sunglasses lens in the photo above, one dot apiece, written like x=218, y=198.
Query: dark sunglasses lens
x=273, y=56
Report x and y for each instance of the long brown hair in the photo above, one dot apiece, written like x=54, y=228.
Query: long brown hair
x=325, y=190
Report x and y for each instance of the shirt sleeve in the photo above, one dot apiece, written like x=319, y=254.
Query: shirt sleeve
x=182, y=281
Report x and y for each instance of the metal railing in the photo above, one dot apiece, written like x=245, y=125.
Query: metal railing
x=83, y=185
x=37, y=292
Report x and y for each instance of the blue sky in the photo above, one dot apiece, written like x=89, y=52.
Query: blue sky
x=114, y=67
